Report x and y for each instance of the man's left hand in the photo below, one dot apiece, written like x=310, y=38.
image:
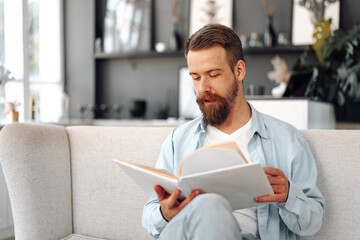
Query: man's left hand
x=279, y=184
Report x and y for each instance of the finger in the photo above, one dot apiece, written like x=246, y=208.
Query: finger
x=192, y=195
x=278, y=188
x=272, y=171
x=173, y=199
x=161, y=193
x=279, y=180
x=271, y=198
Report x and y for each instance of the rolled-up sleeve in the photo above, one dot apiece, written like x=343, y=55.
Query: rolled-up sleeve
x=303, y=211
x=152, y=219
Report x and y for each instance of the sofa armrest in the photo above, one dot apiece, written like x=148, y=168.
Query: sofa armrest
x=36, y=163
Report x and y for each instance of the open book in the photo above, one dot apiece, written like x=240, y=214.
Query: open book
x=220, y=168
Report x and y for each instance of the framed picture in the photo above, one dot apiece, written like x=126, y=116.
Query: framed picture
x=127, y=26
x=188, y=108
x=203, y=12
x=306, y=13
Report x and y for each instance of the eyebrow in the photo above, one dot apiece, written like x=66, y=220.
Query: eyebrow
x=211, y=70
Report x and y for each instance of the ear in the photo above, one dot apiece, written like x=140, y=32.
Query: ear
x=240, y=70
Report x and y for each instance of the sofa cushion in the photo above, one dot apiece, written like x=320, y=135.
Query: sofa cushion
x=80, y=237
x=106, y=202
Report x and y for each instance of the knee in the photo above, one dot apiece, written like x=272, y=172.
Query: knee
x=211, y=201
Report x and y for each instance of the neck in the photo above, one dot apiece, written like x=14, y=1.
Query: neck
x=238, y=117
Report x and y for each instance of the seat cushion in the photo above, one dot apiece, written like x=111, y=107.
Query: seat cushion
x=80, y=237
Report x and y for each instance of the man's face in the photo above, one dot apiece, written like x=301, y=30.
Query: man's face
x=216, y=86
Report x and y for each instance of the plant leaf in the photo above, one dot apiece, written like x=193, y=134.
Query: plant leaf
x=340, y=99
x=322, y=31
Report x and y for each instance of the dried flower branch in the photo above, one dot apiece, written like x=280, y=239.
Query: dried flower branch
x=269, y=11
x=316, y=8
x=280, y=73
x=175, y=17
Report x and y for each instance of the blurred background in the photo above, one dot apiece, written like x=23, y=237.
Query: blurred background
x=79, y=61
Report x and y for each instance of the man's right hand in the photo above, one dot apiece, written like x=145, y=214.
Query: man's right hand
x=169, y=203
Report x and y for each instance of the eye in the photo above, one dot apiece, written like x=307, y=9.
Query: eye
x=195, y=77
x=214, y=75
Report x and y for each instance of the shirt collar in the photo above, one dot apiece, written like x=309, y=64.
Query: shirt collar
x=200, y=126
x=258, y=125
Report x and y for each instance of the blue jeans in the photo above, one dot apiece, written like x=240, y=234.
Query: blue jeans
x=208, y=216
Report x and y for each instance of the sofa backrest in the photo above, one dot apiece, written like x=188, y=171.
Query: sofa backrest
x=106, y=202
x=337, y=154
x=101, y=189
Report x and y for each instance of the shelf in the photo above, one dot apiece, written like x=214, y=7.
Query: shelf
x=180, y=53
x=348, y=125
x=275, y=50
x=138, y=55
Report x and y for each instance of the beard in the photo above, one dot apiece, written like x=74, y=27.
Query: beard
x=216, y=113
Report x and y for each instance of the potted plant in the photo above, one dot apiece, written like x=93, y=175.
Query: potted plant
x=338, y=68
x=12, y=111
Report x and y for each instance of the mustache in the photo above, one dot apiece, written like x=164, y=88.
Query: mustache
x=207, y=97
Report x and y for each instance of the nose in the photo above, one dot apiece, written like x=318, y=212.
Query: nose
x=204, y=85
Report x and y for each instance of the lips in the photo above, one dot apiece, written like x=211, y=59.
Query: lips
x=208, y=98
x=209, y=101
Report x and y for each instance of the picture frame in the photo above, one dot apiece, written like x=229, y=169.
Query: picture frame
x=304, y=17
x=203, y=12
x=127, y=26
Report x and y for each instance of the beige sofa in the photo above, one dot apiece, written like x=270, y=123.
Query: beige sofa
x=63, y=184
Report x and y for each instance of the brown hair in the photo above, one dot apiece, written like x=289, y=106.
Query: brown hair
x=217, y=34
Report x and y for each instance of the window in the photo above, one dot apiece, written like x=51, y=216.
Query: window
x=32, y=51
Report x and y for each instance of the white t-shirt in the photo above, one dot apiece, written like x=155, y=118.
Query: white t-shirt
x=247, y=218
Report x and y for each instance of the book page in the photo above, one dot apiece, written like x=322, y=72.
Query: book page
x=152, y=169
x=227, y=145
x=147, y=177
x=239, y=184
x=212, y=157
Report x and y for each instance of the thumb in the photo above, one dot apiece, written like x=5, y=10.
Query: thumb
x=160, y=192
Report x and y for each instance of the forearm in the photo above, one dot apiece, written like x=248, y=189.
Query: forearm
x=152, y=219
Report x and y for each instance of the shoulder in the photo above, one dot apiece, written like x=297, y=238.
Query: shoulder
x=182, y=140
x=187, y=128
x=281, y=131
x=185, y=137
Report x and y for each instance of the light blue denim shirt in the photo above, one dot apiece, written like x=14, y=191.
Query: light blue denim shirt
x=273, y=143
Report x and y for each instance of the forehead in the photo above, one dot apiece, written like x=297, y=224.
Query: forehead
x=204, y=60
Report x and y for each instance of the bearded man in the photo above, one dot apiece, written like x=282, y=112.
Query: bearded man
x=216, y=64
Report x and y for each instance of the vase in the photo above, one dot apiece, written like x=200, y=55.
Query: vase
x=269, y=34
x=175, y=42
x=14, y=116
x=279, y=91
x=138, y=109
